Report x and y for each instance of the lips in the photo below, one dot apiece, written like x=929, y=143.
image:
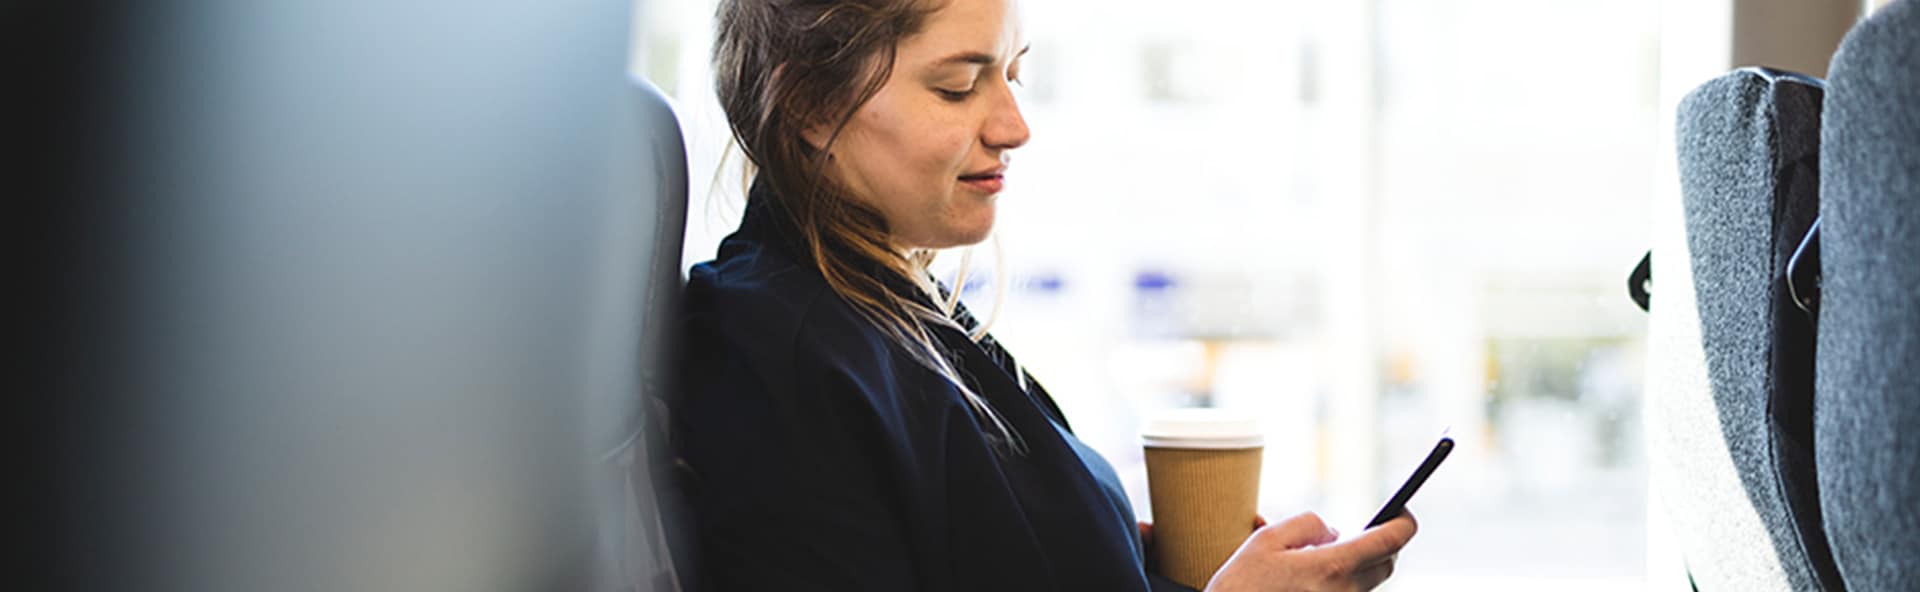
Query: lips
x=988, y=183
x=987, y=180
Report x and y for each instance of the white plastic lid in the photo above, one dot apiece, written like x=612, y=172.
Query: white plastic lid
x=1199, y=427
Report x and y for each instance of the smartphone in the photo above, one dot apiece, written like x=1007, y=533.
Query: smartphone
x=1399, y=502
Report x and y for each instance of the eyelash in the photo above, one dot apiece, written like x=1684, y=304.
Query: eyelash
x=955, y=96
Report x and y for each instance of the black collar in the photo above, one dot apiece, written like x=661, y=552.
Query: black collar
x=768, y=221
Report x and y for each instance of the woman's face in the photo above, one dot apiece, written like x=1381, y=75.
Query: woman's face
x=928, y=150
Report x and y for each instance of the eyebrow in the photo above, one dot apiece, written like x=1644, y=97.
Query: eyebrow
x=975, y=57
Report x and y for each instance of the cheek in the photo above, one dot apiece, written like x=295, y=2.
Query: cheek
x=946, y=147
x=917, y=142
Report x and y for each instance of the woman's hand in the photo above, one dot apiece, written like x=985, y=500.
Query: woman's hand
x=1299, y=554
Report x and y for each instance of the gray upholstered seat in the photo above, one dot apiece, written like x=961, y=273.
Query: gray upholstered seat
x=1868, y=412
x=1781, y=426
x=654, y=510
x=1736, y=448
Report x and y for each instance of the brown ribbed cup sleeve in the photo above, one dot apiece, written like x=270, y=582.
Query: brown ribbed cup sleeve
x=1204, y=502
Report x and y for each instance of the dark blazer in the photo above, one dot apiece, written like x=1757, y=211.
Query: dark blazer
x=817, y=456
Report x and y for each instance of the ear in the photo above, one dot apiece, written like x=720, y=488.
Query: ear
x=814, y=134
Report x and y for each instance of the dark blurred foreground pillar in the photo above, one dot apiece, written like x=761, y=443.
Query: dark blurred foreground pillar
x=342, y=295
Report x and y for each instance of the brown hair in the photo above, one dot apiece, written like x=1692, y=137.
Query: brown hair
x=786, y=66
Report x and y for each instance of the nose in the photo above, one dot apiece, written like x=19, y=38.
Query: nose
x=1005, y=128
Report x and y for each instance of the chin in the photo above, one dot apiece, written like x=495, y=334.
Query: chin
x=975, y=230
x=960, y=237
x=975, y=238
x=957, y=229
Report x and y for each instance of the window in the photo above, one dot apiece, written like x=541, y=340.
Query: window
x=1364, y=223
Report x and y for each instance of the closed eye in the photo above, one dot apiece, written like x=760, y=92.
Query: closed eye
x=954, y=96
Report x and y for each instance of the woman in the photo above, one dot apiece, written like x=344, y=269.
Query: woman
x=843, y=424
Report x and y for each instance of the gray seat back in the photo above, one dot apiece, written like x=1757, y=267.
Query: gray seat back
x=1748, y=148
x=654, y=512
x=1868, y=380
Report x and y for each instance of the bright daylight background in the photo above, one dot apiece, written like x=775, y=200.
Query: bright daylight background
x=1361, y=222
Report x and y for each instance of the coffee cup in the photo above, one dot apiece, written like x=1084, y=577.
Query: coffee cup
x=1203, y=481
